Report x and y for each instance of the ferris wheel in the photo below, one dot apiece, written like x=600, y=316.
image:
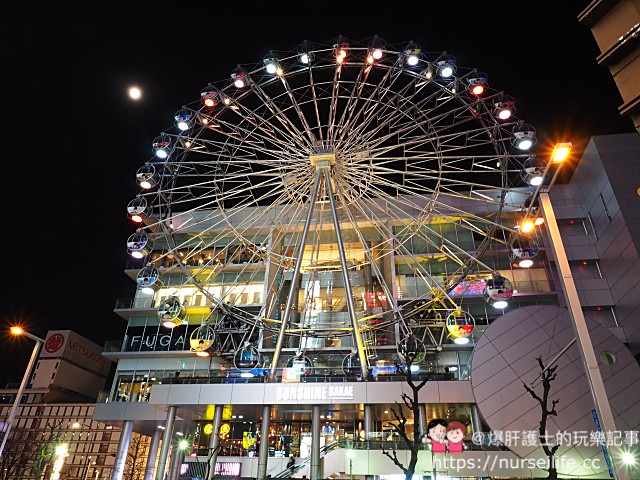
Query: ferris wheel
x=332, y=167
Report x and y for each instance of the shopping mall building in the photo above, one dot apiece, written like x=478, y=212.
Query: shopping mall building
x=234, y=383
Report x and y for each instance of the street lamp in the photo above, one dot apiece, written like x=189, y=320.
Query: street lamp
x=85, y=467
x=585, y=346
x=16, y=330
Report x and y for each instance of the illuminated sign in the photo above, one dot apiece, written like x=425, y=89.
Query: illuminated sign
x=228, y=469
x=313, y=392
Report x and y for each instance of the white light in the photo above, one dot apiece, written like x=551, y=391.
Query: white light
x=446, y=72
x=414, y=368
x=504, y=114
x=137, y=254
x=304, y=58
x=628, y=458
x=182, y=125
x=161, y=154
x=377, y=54
x=412, y=60
x=537, y=180
x=239, y=83
x=147, y=290
x=135, y=93
x=500, y=304
x=146, y=185
x=169, y=324
x=461, y=340
x=247, y=375
x=524, y=144
x=271, y=68
x=526, y=263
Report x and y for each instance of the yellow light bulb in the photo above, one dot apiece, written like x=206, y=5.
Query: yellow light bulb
x=561, y=152
x=527, y=226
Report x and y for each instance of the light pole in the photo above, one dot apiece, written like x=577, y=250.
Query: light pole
x=584, y=343
x=25, y=379
x=85, y=467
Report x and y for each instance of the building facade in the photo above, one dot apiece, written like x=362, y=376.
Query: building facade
x=220, y=391
x=54, y=426
x=616, y=28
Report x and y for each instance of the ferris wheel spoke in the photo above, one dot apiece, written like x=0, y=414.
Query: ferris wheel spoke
x=377, y=111
x=298, y=110
x=296, y=135
x=314, y=96
x=352, y=126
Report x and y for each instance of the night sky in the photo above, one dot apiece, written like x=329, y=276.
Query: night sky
x=73, y=140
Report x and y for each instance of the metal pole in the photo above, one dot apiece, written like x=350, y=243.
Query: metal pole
x=23, y=385
x=214, y=441
x=166, y=443
x=153, y=455
x=294, y=280
x=347, y=285
x=315, y=443
x=368, y=422
x=263, y=454
x=592, y=370
x=123, y=448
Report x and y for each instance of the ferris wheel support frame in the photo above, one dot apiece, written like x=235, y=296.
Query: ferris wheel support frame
x=294, y=280
x=323, y=164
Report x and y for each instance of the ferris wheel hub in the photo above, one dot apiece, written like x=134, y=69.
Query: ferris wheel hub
x=323, y=160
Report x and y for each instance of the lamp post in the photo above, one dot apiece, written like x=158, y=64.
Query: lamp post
x=85, y=467
x=25, y=379
x=584, y=343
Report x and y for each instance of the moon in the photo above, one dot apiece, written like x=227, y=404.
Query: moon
x=135, y=93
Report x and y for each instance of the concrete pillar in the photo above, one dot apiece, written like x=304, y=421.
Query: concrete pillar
x=177, y=457
x=166, y=443
x=476, y=425
x=214, y=442
x=368, y=422
x=123, y=448
x=316, y=472
x=263, y=454
x=422, y=421
x=153, y=454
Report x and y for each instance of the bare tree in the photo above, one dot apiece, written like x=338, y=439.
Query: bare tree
x=16, y=456
x=413, y=441
x=45, y=447
x=547, y=376
x=136, y=458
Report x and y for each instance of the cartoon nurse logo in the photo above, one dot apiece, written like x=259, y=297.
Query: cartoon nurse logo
x=436, y=435
x=455, y=437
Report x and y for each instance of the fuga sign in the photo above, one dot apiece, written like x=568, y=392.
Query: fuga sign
x=313, y=392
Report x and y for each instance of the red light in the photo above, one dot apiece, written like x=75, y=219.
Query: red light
x=571, y=222
x=599, y=308
x=209, y=102
x=136, y=218
x=477, y=89
x=584, y=262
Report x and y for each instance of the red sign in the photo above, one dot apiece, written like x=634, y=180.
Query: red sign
x=54, y=343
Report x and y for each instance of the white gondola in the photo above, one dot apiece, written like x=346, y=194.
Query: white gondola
x=411, y=349
x=138, y=245
x=201, y=340
x=247, y=357
x=171, y=312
